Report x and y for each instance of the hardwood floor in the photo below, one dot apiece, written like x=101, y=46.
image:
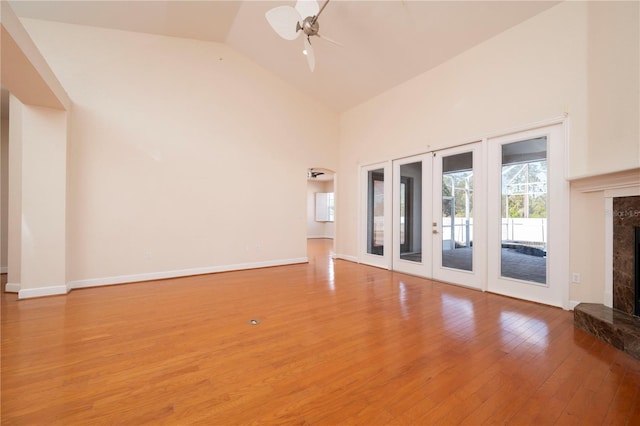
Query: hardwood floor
x=337, y=343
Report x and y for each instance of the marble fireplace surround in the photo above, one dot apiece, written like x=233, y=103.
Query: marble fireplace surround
x=626, y=217
x=613, y=321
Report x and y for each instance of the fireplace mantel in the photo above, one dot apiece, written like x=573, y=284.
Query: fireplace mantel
x=608, y=182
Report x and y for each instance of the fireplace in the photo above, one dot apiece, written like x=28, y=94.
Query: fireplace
x=636, y=275
x=617, y=322
x=626, y=225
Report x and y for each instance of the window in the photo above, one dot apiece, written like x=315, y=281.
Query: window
x=324, y=207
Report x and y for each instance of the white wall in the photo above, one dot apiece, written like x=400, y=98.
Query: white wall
x=613, y=118
x=14, y=208
x=318, y=229
x=35, y=231
x=184, y=156
x=36, y=252
x=555, y=63
x=587, y=246
x=4, y=193
x=43, y=219
x=523, y=75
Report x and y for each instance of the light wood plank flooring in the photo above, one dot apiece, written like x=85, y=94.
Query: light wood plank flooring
x=337, y=343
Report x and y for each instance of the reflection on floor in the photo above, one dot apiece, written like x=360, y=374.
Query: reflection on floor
x=319, y=248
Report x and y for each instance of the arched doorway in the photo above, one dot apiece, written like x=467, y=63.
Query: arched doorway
x=321, y=189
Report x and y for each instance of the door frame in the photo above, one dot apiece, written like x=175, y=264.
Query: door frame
x=556, y=290
x=384, y=260
x=422, y=268
x=476, y=278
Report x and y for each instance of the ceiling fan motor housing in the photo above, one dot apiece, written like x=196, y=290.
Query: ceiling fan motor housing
x=310, y=26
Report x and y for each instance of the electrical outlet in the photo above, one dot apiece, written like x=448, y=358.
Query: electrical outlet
x=575, y=278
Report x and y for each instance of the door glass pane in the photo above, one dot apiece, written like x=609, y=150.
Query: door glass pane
x=375, y=212
x=411, y=212
x=524, y=210
x=457, y=211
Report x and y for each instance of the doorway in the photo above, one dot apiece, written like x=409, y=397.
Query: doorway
x=321, y=185
x=435, y=203
x=412, y=193
x=528, y=216
x=459, y=230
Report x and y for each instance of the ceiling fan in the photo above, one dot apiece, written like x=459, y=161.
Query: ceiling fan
x=287, y=22
x=312, y=174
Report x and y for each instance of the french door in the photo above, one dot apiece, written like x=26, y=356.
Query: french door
x=458, y=230
x=412, y=215
x=436, y=204
x=375, y=202
x=528, y=216
x=490, y=215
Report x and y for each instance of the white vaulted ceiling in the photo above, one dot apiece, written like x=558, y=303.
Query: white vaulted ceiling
x=384, y=42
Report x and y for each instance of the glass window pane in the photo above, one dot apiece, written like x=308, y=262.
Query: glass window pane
x=524, y=210
x=457, y=211
x=403, y=211
x=375, y=212
x=411, y=212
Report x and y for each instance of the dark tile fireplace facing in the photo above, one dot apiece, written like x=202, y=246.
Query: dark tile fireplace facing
x=636, y=285
x=619, y=326
x=626, y=218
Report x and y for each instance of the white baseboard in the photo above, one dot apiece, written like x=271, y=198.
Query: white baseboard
x=346, y=257
x=124, y=279
x=12, y=288
x=54, y=290
x=312, y=237
x=4, y=270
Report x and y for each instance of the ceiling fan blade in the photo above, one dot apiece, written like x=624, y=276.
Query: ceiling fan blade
x=284, y=19
x=330, y=40
x=311, y=59
x=307, y=8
